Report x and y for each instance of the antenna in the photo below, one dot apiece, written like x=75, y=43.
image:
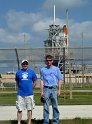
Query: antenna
x=24, y=41
x=24, y=45
x=54, y=15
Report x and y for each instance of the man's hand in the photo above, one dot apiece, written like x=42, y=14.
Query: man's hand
x=59, y=93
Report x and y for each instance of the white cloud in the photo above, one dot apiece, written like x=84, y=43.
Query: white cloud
x=19, y=20
x=39, y=28
x=63, y=4
x=42, y=25
x=35, y=26
x=13, y=38
x=76, y=30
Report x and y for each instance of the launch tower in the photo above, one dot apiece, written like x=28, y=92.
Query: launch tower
x=56, y=41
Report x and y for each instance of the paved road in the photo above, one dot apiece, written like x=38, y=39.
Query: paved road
x=66, y=112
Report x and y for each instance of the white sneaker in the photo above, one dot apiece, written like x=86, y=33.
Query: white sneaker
x=19, y=123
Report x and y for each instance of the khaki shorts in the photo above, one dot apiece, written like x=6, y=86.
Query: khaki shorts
x=25, y=102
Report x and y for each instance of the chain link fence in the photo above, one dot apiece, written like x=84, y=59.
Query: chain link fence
x=74, y=63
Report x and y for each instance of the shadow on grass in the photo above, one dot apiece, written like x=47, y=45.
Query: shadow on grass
x=34, y=121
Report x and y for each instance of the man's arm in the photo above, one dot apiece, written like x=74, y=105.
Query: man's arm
x=34, y=84
x=59, y=87
x=16, y=81
x=41, y=86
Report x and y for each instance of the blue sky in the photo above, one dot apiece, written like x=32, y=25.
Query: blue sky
x=33, y=17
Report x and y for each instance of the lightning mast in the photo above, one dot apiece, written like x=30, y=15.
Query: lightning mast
x=54, y=16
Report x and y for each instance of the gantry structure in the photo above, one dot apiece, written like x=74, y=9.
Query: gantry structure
x=56, y=41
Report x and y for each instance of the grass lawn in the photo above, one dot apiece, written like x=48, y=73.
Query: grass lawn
x=84, y=98
x=8, y=97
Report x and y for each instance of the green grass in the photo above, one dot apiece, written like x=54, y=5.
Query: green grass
x=64, y=99
x=68, y=121
x=8, y=96
x=7, y=99
x=78, y=99
x=78, y=86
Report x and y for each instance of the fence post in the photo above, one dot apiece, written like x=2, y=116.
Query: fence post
x=17, y=58
x=64, y=70
x=70, y=83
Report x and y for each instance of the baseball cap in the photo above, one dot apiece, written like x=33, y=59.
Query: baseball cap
x=25, y=61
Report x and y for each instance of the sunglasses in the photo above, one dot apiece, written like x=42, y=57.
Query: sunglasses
x=49, y=60
x=24, y=64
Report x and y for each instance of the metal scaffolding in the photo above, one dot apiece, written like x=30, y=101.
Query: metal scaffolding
x=58, y=39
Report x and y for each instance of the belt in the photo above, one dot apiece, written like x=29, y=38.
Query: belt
x=50, y=87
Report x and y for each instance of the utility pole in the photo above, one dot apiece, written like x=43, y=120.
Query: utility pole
x=82, y=61
x=24, y=45
x=69, y=56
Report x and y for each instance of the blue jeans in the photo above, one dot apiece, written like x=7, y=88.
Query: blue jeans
x=50, y=94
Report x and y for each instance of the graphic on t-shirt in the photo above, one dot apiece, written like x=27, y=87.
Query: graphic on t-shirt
x=25, y=76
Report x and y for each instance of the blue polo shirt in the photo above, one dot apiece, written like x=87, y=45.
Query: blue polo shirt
x=51, y=75
x=25, y=80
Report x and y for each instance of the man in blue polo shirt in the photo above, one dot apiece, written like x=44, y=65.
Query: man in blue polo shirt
x=51, y=79
x=26, y=81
